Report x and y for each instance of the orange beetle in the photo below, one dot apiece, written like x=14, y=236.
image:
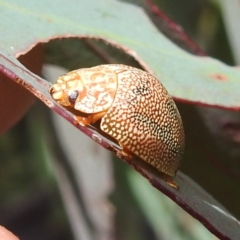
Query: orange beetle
x=133, y=108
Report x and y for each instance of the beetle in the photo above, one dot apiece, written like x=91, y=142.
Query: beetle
x=132, y=108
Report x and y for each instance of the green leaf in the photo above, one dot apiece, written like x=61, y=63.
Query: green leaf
x=188, y=78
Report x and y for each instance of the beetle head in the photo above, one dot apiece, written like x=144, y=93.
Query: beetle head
x=66, y=90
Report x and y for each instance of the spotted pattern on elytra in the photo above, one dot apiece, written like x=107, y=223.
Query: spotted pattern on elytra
x=134, y=109
x=144, y=120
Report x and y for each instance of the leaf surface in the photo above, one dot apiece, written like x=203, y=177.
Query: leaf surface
x=188, y=78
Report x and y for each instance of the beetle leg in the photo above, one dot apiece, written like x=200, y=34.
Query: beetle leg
x=124, y=152
x=84, y=121
x=170, y=182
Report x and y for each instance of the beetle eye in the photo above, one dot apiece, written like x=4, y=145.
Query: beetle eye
x=72, y=96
